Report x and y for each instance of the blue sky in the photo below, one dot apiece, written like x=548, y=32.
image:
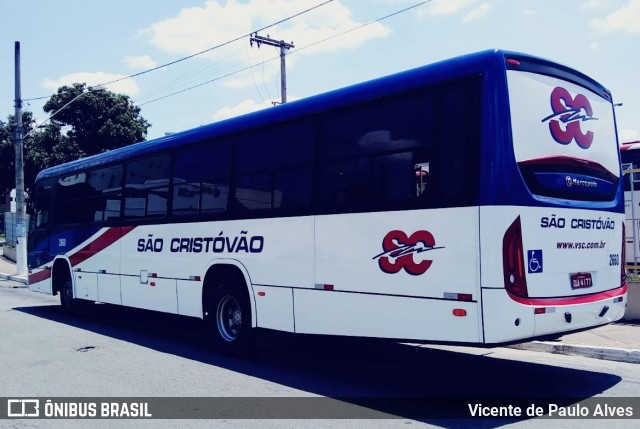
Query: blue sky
x=65, y=41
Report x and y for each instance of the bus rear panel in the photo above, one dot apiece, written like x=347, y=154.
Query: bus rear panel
x=557, y=263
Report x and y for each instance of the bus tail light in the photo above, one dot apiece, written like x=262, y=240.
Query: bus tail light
x=515, y=280
x=623, y=254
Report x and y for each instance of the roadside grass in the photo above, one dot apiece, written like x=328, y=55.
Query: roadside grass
x=633, y=278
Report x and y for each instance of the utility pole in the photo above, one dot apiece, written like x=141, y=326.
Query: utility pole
x=283, y=50
x=21, y=229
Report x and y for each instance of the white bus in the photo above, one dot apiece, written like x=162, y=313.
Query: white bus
x=630, y=158
x=476, y=200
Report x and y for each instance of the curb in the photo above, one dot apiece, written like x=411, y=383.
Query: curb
x=14, y=278
x=605, y=353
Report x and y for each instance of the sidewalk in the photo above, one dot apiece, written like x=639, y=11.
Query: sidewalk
x=618, y=341
x=8, y=269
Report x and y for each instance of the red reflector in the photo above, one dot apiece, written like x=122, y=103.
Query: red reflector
x=513, y=62
x=465, y=297
x=460, y=312
x=261, y=294
x=197, y=278
x=328, y=287
x=154, y=275
x=152, y=283
x=539, y=310
x=515, y=280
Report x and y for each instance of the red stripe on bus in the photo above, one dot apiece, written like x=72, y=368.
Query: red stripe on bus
x=109, y=237
x=40, y=276
x=571, y=300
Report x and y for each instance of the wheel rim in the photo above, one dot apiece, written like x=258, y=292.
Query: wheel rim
x=229, y=318
x=67, y=295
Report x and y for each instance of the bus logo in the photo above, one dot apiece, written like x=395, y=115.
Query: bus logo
x=568, y=115
x=398, y=250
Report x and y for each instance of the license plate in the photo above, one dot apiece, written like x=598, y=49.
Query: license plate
x=581, y=280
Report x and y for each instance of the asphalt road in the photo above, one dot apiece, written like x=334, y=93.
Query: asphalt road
x=119, y=352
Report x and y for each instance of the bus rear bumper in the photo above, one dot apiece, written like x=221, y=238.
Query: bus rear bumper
x=506, y=319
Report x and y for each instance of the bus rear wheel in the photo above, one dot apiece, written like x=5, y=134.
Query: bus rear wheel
x=229, y=320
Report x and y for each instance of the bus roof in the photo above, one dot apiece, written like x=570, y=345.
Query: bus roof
x=441, y=71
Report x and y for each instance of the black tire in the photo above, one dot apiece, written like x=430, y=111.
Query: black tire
x=229, y=320
x=67, y=301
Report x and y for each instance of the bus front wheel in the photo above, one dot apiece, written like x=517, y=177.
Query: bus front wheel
x=229, y=320
x=67, y=301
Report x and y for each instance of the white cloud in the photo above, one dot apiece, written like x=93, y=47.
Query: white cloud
x=477, y=13
x=197, y=29
x=595, y=4
x=625, y=136
x=595, y=47
x=245, y=106
x=445, y=7
x=127, y=86
x=625, y=18
x=139, y=62
x=530, y=12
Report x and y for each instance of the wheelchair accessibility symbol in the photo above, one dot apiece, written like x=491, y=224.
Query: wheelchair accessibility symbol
x=535, y=261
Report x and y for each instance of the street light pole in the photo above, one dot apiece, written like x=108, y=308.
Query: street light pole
x=21, y=229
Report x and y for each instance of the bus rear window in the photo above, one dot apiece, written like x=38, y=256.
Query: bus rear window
x=563, y=138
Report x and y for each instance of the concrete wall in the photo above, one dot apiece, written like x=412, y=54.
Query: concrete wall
x=633, y=302
x=9, y=253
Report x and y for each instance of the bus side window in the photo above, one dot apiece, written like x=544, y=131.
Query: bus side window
x=107, y=186
x=368, y=154
x=147, y=187
x=422, y=178
x=201, y=179
x=459, y=152
x=635, y=177
x=274, y=168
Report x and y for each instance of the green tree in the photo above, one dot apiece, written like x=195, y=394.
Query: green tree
x=99, y=120
x=81, y=125
x=6, y=159
x=7, y=150
x=46, y=148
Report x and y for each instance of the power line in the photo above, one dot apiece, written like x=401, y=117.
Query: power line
x=252, y=76
x=202, y=52
x=191, y=77
x=203, y=83
x=292, y=52
x=361, y=26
